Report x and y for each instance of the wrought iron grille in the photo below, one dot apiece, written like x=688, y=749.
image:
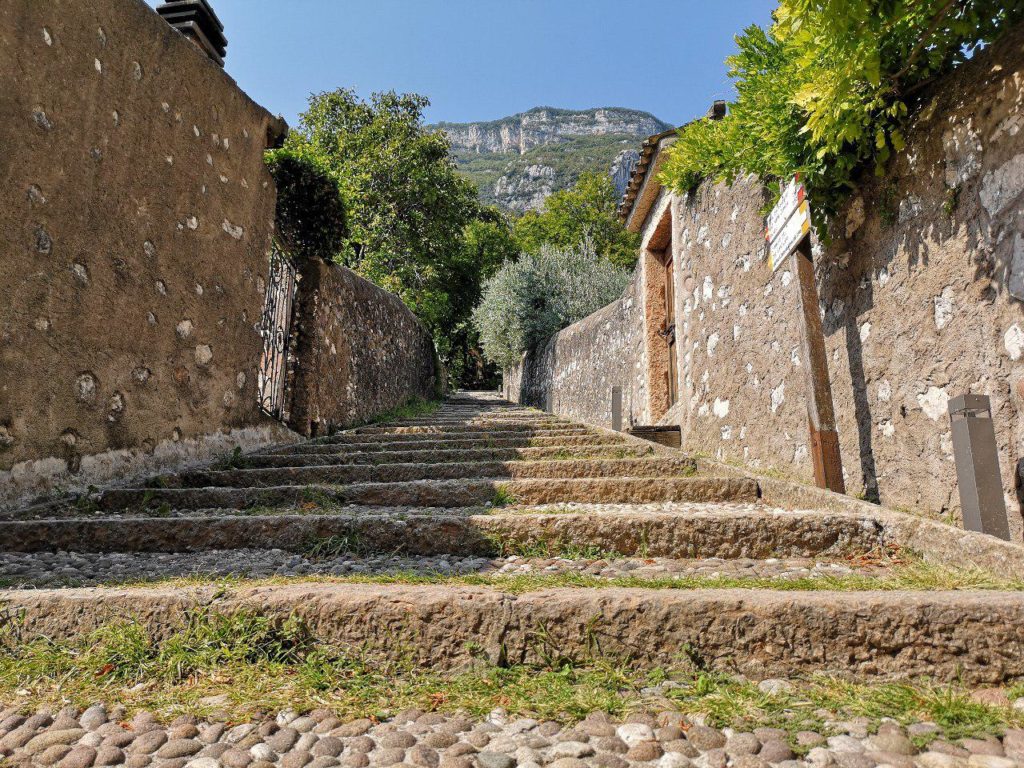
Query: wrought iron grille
x=275, y=327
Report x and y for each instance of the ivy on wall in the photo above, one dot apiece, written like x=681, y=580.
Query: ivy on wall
x=310, y=216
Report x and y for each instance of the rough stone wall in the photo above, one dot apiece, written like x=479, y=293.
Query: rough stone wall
x=360, y=352
x=134, y=231
x=579, y=366
x=917, y=296
x=920, y=286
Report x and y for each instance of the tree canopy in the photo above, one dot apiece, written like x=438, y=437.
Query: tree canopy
x=407, y=204
x=530, y=299
x=584, y=212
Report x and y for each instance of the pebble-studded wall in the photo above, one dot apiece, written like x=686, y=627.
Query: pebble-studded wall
x=135, y=233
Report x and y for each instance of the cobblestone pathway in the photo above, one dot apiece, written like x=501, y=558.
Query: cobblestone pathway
x=428, y=524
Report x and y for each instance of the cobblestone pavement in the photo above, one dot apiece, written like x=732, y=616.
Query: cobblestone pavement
x=53, y=569
x=69, y=739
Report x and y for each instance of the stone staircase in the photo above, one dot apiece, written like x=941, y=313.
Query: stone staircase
x=411, y=530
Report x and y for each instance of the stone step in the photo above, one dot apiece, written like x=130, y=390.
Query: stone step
x=438, y=493
x=461, y=427
x=974, y=638
x=472, y=433
x=390, y=473
x=31, y=570
x=568, y=441
x=456, y=455
x=676, y=530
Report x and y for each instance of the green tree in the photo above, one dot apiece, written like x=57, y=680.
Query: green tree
x=407, y=206
x=414, y=224
x=826, y=90
x=585, y=211
x=528, y=300
x=486, y=245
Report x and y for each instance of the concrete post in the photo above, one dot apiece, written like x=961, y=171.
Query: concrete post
x=977, y=466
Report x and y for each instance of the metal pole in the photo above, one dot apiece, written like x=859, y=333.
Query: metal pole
x=977, y=466
x=828, y=464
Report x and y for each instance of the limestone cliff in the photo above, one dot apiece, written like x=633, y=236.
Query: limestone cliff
x=518, y=161
x=546, y=125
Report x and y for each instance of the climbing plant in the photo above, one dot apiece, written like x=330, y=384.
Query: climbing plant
x=827, y=89
x=310, y=215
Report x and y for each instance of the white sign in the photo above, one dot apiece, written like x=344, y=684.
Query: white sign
x=788, y=238
x=790, y=200
x=788, y=223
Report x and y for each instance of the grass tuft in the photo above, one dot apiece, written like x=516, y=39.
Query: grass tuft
x=412, y=409
x=503, y=497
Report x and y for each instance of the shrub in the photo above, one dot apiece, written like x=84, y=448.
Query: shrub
x=530, y=299
x=311, y=220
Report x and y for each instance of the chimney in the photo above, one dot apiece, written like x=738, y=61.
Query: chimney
x=196, y=20
x=717, y=111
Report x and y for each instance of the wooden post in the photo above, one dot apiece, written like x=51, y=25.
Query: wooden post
x=821, y=418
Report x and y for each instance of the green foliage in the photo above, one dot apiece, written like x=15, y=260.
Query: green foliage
x=487, y=243
x=827, y=90
x=586, y=211
x=408, y=206
x=529, y=300
x=310, y=217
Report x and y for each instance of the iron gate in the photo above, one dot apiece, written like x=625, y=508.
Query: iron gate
x=275, y=328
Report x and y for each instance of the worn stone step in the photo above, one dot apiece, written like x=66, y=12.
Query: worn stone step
x=439, y=493
x=567, y=441
x=676, y=530
x=389, y=473
x=975, y=638
x=434, y=435
x=461, y=427
x=672, y=530
x=456, y=455
x=31, y=570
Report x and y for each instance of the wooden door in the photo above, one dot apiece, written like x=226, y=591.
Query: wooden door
x=670, y=327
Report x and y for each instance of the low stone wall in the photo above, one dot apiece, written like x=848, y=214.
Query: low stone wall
x=574, y=373
x=360, y=352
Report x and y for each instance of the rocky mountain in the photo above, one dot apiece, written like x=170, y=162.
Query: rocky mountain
x=519, y=160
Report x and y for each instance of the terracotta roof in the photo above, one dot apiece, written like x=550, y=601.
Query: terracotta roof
x=647, y=152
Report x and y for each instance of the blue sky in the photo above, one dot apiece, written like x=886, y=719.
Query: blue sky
x=484, y=59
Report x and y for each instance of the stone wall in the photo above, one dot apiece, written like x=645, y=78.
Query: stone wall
x=135, y=228
x=920, y=285
x=575, y=371
x=360, y=352
x=916, y=300
x=135, y=234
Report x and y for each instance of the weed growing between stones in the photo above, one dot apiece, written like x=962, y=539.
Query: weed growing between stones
x=234, y=460
x=808, y=705
x=228, y=666
x=336, y=546
x=503, y=497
